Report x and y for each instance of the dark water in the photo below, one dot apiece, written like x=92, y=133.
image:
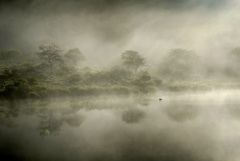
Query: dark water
x=181, y=127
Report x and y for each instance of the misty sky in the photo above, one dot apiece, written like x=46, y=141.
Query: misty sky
x=106, y=28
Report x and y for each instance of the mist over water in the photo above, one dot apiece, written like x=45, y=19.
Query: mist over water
x=183, y=126
x=119, y=80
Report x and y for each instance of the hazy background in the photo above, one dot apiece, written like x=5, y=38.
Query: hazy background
x=103, y=29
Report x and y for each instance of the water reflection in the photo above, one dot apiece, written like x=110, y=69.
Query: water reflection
x=117, y=129
x=133, y=115
x=234, y=110
x=74, y=120
x=50, y=124
x=182, y=112
x=143, y=101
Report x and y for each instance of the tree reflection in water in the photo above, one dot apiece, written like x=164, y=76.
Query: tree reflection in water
x=133, y=115
x=50, y=125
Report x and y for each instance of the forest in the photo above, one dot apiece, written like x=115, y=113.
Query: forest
x=53, y=72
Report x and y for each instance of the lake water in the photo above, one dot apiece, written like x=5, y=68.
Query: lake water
x=181, y=127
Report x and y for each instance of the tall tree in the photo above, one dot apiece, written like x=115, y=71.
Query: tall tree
x=74, y=56
x=132, y=60
x=50, y=54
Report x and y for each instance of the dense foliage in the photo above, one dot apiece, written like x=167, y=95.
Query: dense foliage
x=53, y=73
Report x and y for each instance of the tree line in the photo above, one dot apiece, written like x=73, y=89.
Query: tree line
x=51, y=72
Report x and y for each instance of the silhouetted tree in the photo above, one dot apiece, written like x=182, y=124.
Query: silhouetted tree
x=74, y=56
x=132, y=60
x=50, y=54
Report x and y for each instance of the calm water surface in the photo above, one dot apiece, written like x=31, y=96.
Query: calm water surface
x=181, y=127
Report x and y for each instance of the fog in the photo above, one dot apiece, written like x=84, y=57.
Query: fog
x=154, y=80
x=104, y=29
x=200, y=126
